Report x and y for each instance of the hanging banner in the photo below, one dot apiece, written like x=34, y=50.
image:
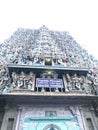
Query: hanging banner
x=49, y=83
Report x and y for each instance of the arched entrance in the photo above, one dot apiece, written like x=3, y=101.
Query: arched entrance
x=51, y=127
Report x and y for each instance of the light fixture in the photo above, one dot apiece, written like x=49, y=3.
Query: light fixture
x=48, y=61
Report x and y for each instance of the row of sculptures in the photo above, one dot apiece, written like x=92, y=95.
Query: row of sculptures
x=22, y=80
x=82, y=83
x=72, y=82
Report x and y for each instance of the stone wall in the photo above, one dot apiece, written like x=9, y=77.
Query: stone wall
x=52, y=111
x=26, y=117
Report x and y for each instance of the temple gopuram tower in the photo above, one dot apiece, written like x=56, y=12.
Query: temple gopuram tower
x=47, y=82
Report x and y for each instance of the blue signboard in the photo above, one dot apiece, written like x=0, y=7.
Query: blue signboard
x=56, y=83
x=49, y=83
x=42, y=82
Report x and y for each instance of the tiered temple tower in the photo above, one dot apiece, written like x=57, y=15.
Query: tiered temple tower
x=47, y=82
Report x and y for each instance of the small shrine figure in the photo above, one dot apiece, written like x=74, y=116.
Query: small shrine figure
x=75, y=82
x=87, y=85
x=69, y=86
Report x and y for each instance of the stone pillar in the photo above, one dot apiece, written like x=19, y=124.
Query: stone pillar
x=1, y=117
x=19, y=109
x=88, y=113
x=33, y=82
x=10, y=113
x=94, y=119
x=5, y=119
x=65, y=83
x=1, y=112
x=82, y=117
x=79, y=117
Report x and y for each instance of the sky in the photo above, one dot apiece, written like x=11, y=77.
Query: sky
x=78, y=17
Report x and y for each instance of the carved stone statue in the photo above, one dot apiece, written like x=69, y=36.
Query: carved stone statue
x=69, y=85
x=22, y=80
x=75, y=82
x=87, y=85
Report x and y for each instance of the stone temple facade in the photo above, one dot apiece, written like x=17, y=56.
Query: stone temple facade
x=47, y=82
